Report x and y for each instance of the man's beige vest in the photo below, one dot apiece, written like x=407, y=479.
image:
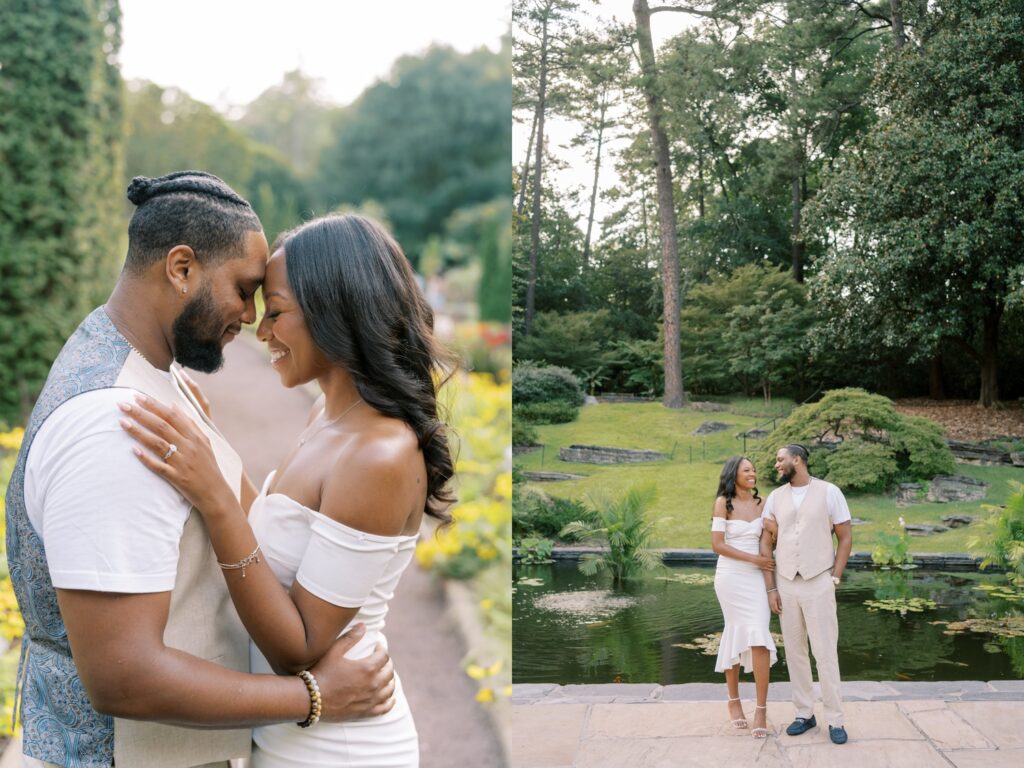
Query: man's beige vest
x=805, y=534
x=202, y=620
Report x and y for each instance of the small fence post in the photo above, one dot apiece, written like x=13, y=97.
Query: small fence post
x=542, y=457
x=691, y=454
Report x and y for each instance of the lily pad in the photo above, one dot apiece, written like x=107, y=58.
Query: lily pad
x=689, y=578
x=528, y=582
x=1007, y=626
x=595, y=604
x=708, y=644
x=901, y=605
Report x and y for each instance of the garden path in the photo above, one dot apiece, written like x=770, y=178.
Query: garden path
x=260, y=418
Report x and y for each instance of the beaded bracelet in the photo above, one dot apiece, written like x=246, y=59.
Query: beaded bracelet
x=315, y=701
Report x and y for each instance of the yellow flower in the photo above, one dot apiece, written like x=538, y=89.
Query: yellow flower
x=12, y=440
x=485, y=695
x=476, y=672
x=486, y=552
x=503, y=485
x=487, y=603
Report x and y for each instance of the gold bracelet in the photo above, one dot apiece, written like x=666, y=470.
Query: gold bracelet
x=254, y=557
x=315, y=702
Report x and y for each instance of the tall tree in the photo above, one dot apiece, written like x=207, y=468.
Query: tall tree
x=61, y=237
x=925, y=221
x=431, y=138
x=547, y=22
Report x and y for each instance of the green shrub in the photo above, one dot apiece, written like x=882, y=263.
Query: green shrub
x=1005, y=547
x=540, y=384
x=873, y=446
x=534, y=551
x=534, y=513
x=551, y=412
x=522, y=432
x=624, y=526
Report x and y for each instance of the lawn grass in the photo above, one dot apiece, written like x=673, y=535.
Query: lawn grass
x=687, y=481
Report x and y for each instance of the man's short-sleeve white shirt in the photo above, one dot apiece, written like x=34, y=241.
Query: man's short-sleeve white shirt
x=838, y=509
x=107, y=523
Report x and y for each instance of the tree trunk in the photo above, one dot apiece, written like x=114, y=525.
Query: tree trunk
x=936, y=388
x=899, y=35
x=531, y=282
x=674, y=396
x=700, y=183
x=989, y=395
x=597, y=173
x=797, y=247
x=521, y=203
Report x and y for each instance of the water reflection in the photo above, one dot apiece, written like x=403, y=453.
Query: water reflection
x=601, y=639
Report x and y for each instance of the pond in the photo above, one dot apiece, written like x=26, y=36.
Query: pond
x=568, y=628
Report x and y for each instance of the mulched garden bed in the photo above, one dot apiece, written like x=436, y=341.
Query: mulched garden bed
x=965, y=420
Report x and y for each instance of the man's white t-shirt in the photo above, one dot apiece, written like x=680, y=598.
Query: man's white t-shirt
x=834, y=499
x=106, y=521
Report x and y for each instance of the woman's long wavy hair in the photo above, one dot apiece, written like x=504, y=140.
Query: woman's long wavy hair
x=366, y=313
x=727, y=483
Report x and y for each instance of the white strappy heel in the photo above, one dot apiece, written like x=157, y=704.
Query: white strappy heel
x=740, y=722
x=760, y=733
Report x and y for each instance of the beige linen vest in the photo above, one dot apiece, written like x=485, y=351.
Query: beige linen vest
x=805, y=534
x=202, y=621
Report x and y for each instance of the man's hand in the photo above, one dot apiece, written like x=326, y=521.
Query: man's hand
x=353, y=688
x=764, y=562
x=775, y=601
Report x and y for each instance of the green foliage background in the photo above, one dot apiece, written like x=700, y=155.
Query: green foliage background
x=60, y=181
x=424, y=149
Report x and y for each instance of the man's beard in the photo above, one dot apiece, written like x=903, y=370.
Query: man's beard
x=196, y=334
x=786, y=476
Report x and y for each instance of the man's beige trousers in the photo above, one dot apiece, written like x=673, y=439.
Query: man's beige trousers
x=809, y=613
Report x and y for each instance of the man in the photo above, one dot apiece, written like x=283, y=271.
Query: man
x=109, y=562
x=807, y=511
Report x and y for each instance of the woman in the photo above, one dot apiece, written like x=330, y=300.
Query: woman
x=736, y=528
x=327, y=538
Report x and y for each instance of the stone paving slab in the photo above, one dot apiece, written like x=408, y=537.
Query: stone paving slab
x=687, y=725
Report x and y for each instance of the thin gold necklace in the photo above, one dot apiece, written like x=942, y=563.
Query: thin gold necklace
x=323, y=424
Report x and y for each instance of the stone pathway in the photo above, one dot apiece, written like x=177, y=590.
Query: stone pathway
x=260, y=418
x=904, y=725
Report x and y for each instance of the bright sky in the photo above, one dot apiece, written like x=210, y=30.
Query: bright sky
x=226, y=52
x=579, y=174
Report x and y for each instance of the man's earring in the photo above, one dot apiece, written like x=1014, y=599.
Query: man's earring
x=185, y=289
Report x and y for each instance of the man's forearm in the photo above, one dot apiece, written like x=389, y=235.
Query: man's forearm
x=844, y=535
x=180, y=689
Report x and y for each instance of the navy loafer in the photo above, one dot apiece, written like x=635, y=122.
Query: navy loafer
x=837, y=734
x=801, y=725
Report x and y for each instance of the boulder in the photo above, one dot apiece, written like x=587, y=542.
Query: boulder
x=924, y=529
x=907, y=493
x=755, y=433
x=549, y=477
x=1017, y=458
x=709, y=427
x=957, y=521
x=977, y=453
x=597, y=454
x=706, y=407
x=946, y=488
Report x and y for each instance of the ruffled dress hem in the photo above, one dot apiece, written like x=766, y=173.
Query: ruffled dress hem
x=736, y=644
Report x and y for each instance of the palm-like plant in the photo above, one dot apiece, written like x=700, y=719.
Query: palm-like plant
x=623, y=524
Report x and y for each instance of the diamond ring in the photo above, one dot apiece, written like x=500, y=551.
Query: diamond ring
x=171, y=450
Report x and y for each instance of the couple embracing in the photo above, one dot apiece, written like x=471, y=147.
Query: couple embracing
x=776, y=555
x=176, y=614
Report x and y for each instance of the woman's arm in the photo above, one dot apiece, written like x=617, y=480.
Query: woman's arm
x=292, y=629
x=719, y=546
